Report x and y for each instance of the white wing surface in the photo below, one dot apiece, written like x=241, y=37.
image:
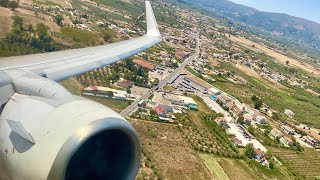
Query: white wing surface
x=64, y=64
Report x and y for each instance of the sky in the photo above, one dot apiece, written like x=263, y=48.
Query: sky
x=307, y=9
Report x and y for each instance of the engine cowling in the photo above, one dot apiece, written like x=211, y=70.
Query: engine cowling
x=65, y=138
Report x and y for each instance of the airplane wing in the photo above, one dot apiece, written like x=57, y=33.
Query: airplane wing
x=64, y=64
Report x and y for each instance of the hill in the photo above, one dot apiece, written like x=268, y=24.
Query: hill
x=295, y=29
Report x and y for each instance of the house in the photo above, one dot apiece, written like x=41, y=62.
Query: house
x=260, y=119
x=308, y=139
x=180, y=100
x=181, y=54
x=105, y=92
x=258, y=154
x=247, y=118
x=231, y=105
x=287, y=129
x=289, y=113
x=161, y=111
x=286, y=141
x=236, y=141
x=275, y=133
x=144, y=64
x=223, y=122
x=224, y=98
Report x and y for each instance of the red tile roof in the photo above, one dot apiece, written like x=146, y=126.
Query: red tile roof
x=159, y=110
x=94, y=88
x=181, y=54
x=144, y=64
x=236, y=140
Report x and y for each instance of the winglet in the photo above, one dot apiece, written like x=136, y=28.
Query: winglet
x=152, y=26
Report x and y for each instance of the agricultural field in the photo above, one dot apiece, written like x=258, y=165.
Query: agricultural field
x=84, y=38
x=236, y=169
x=302, y=164
x=213, y=165
x=171, y=155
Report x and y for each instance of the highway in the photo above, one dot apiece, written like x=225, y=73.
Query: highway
x=134, y=106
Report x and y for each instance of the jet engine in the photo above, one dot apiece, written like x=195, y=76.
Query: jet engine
x=48, y=133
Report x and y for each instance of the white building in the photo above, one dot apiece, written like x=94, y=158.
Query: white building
x=289, y=113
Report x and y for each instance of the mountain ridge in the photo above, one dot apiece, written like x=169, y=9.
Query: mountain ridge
x=297, y=29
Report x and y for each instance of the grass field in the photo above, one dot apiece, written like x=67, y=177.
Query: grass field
x=302, y=164
x=237, y=169
x=85, y=38
x=213, y=165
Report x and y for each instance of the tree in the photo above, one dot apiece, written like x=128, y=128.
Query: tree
x=107, y=37
x=258, y=104
x=42, y=30
x=287, y=62
x=271, y=165
x=249, y=151
x=241, y=120
x=4, y=3
x=13, y=5
x=275, y=116
x=251, y=130
x=128, y=90
x=59, y=19
x=17, y=22
x=254, y=98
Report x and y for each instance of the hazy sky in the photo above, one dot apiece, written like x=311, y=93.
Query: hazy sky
x=308, y=9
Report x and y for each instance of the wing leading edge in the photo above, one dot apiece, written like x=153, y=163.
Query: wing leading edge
x=64, y=64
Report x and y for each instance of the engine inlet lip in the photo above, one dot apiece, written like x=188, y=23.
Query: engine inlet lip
x=71, y=146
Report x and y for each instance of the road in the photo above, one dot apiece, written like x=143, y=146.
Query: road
x=134, y=106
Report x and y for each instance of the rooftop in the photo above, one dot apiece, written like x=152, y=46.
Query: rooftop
x=144, y=64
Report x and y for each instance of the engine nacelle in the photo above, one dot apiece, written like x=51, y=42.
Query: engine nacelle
x=70, y=138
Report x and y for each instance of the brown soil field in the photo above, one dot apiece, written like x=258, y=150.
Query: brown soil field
x=173, y=157
x=5, y=21
x=279, y=57
x=29, y=17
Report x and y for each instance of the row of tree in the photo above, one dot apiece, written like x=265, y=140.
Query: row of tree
x=9, y=4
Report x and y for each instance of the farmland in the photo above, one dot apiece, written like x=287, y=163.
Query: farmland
x=84, y=38
x=302, y=164
x=214, y=167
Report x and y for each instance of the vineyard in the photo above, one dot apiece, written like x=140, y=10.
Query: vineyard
x=305, y=164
